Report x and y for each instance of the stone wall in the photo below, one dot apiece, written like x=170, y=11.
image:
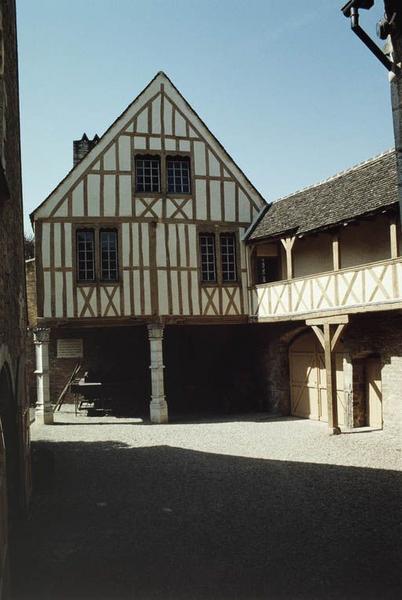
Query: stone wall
x=30, y=273
x=13, y=317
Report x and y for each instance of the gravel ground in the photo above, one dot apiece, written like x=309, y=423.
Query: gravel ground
x=237, y=508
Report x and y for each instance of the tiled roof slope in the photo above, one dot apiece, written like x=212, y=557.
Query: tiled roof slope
x=363, y=189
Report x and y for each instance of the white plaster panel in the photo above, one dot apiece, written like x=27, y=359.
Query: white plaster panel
x=126, y=293
x=96, y=166
x=192, y=133
x=215, y=194
x=199, y=158
x=147, y=293
x=155, y=143
x=109, y=203
x=172, y=245
x=125, y=208
x=180, y=125
x=170, y=144
x=93, y=195
x=130, y=128
x=182, y=244
x=46, y=244
x=194, y=292
x=200, y=199
x=214, y=165
x=137, y=293
x=135, y=233
x=163, y=293
x=175, y=292
x=156, y=115
x=142, y=121
x=69, y=294
x=184, y=145
x=140, y=142
x=78, y=200
x=124, y=153
x=109, y=158
x=145, y=243
x=185, y=292
x=229, y=191
x=167, y=117
x=125, y=244
x=244, y=207
x=192, y=235
x=62, y=211
x=57, y=244
x=47, y=294
x=160, y=245
x=68, y=254
x=58, y=280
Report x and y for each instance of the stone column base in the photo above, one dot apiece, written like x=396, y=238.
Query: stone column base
x=44, y=417
x=159, y=411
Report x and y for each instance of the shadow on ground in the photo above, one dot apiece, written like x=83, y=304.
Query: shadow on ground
x=174, y=524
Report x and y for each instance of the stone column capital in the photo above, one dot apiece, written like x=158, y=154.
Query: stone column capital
x=41, y=335
x=155, y=331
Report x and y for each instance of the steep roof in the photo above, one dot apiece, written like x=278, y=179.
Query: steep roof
x=365, y=188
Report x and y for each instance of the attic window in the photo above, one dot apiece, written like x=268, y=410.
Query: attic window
x=147, y=174
x=178, y=172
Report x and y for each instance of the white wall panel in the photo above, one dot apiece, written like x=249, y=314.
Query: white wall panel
x=93, y=195
x=57, y=244
x=58, y=279
x=156, y=115
x=200, y=199
x=229, y=190
x=109, y=202
x=199, y=158
x=46, y=244
x=68, y=254
x=125, y=244
x=215, y=192
x=125, y=196
x=69, y=294
x=78, y=200
x=109, y=159
x=124, y=153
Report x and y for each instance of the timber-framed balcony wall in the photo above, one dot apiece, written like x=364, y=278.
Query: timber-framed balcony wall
x=363, y=288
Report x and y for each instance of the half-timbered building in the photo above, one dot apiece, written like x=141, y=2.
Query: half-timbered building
x=145, y=231
x=326, y=273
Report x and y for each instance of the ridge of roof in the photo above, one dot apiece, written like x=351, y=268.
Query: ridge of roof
x=337, y=175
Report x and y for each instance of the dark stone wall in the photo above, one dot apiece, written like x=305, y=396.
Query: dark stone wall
x=13, y=318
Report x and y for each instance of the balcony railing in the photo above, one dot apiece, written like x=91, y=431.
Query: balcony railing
x=374, y=286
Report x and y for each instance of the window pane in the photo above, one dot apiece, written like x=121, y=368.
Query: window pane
x=109, y=264
x=178, y=170
x=147, y=174
x=85, y=255
x=208, y=261
x=228, y=256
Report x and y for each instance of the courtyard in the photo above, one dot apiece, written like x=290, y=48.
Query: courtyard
x=233, y=508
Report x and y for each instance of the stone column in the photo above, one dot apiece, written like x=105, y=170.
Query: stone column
x=44, y=409
x=158, y=406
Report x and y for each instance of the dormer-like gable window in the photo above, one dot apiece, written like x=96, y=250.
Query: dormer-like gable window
x=147, y=174
x=178, y=173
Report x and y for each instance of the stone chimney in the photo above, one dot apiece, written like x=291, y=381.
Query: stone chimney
x=83, y=146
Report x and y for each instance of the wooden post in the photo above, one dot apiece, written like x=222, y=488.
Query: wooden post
x=328, y=339
x=288, y=245
x=336, y=252
x=393, y=238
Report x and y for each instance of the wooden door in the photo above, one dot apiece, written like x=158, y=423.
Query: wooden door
x=308, y=386
x=373, y=393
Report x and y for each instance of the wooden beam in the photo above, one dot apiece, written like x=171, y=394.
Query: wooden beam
x=330, y=370
x=393, y=235
x=337, y=335
x=336, y=258
x=318, y=331
x=288, y=245
x=335, y=320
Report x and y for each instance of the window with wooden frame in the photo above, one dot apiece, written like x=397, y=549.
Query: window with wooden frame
x=85, y=244
x=109, y=267
x=147, y=174
x=178, y=175
x=228, y=257
x=208, y=257
x=218, y=257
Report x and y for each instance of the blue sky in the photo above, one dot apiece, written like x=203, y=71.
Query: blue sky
x=288, y=89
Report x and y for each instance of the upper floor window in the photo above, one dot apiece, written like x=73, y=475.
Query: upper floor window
x=108, y=250
x=85, y=255
x=228, y=257
x=147, y=174
x=178, y=173
x=267, y=269
x=88, y=246
x=208, y=258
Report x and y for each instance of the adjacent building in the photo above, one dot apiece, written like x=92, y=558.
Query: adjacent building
x=14, y=412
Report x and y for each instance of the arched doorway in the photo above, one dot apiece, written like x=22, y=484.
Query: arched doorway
x=308, y=390
x=8, y=416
